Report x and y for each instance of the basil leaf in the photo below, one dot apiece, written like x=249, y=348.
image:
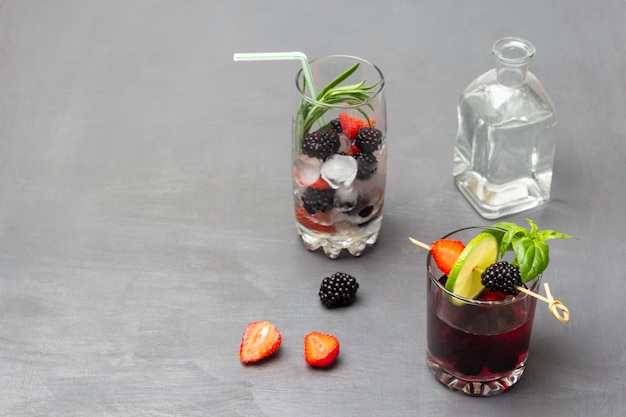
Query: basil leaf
x=514, y=232
x=506, y=242
x=498, y=234
x=531, y=256
x=510, y=226
x=541, y=261
x=532, y=253
x=524, y=253
x=551, y=234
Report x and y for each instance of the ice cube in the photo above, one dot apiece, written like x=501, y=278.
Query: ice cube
x=339, y=170
x=346, y=198
x=306, y=170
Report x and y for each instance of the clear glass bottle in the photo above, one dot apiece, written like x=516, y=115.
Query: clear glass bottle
x=505, y=142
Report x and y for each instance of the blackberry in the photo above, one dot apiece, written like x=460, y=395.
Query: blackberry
x=366, y=211
x=321, y=143
x=335, y=125
x=502, y=276
x=368, y=139
x=367, y=165
x=338, y=290
x=315, y=200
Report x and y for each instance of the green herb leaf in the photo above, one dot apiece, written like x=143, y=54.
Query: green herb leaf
x=531, y=256
x=299, y=129
x=338, y=80
x=507, y=225
x=532, y=253
x=551, y=234
x=533, y=227
x=333, y=94
x=513, y=231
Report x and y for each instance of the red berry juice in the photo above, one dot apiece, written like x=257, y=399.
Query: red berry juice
x=480, y=340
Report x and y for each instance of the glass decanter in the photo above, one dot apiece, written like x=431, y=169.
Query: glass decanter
x=505, y=143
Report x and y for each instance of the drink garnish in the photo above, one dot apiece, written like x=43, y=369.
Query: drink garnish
x=503, y=277
x=465, y=279
x=532, y=253
x=333, y=94
x=445, y=253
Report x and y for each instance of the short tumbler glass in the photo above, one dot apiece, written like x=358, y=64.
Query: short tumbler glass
x=339, y=153
x=478, y=346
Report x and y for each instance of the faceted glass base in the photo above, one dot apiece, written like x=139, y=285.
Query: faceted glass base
x=492, y=202
x=475, y=387
x=354, y=241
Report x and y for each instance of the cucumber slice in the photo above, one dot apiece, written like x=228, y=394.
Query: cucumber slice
x=464, y=277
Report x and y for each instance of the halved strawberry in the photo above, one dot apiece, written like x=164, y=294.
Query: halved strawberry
x=306, y=219
x=350, y=124
x=259, y=341
x=320, y=349
x=445, y=253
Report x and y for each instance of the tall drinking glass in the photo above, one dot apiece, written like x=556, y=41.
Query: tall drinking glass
x=478, y=346
x=339, y=153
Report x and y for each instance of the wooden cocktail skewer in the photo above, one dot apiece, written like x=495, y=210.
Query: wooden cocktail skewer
x=420, y=244
x=553, y=305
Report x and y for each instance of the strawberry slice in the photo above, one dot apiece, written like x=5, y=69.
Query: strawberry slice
x=260, y=340
x=350, y=125
x=307, y=220
x=445, y=253
x=320, y=349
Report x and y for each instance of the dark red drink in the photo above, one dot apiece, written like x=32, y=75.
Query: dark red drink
x=477, y=346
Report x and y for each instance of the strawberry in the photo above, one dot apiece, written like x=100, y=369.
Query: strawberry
x=320, y=184
x=259, y=341
x=305, y=219
x=445, y=253
x=350, y=124
x=487, y=295
x=320, y=349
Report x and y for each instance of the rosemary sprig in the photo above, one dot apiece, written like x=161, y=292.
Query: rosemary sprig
x=332, y=94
